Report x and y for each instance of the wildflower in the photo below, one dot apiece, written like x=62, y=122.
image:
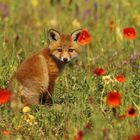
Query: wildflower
x=122, y=117
x=120, y=78
x=78, y=138
x=95, y=6
x=125, y=62
x=4, y=10
x=34, y=3
x=134, y=137
x=6, y=133
x=84, y=37
x=99, y=71
x=114, y=98
x=130, y=33
x=26, y=109
x=88, y=125
x=76, y=23
x=53, y=22
x=134, y=56
x=87, y=13
x=132, y=112
x=80, y=135
x=107, y=79
x=29, y=119
x=111, y=24
x=4, y=96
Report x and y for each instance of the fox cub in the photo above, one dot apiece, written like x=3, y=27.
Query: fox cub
x=36, y=76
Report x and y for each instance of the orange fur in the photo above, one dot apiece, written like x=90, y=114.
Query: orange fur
x=36, y=76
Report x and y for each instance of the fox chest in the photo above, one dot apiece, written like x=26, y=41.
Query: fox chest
x=53, y=74
x=50, y=72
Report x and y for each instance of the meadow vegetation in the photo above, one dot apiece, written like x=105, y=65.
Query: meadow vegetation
x=80, y=110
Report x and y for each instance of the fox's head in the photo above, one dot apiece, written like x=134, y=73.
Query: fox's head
x=63, y=46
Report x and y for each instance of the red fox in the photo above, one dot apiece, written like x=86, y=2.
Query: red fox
x=36, y=76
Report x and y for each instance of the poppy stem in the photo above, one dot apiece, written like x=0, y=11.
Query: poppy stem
x=101, y=99
x=114, y=111
x=132, y=43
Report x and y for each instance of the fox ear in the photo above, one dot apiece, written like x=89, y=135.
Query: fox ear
x=76, y=34
x=53, y=35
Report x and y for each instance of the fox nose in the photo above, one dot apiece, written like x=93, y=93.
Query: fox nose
x=65, y=59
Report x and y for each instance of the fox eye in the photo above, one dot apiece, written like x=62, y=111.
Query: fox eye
x=71, y=50
x=60, y=50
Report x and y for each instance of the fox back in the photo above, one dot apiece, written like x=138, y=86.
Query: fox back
x=36, y=76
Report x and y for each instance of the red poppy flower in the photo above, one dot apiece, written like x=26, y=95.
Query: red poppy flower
x=6, y=133
x=121, y=78
x=84, y=37
x=80, y=135
x=4, y=96
x=130, y=33
x=78, y=138
x=88, y=126
x=135, y=137
x=114, y=98
x=99, y=71
x=132, y=112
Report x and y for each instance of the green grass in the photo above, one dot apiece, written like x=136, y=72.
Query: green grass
x=79, y=96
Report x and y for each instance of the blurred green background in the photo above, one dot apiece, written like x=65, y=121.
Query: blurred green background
x=23, y=31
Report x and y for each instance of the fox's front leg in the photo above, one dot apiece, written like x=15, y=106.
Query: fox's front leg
x=48, y=98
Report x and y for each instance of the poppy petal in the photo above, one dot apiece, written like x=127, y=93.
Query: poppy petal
x=4, y=96
x=114, y=99
x=99, y=71
x=130, y=33
x=84, y=37
x=121, y=78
